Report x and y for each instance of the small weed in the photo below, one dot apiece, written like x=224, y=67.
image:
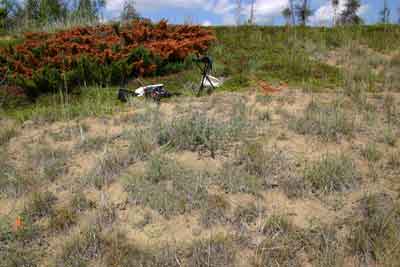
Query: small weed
x=62, y=219
x=277, y=224
x=389, y=136
x=41, y=205
x=80, y=203
x=70, y=132
x=371, y=153
x=92, y=143
x=333, y=173
x=264, y=99
x=293, y=186
x=393, y=161
x=390, y=110
x=247, y=214
x=214, y=211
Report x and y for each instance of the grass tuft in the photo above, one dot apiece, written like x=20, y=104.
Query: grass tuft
x=108, y=167
x=167, y=188
x=282, y=244
x=332, y=173
x=375, y=234
x=328, y=122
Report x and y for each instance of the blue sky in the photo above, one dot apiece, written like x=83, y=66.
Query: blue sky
x=218, y=12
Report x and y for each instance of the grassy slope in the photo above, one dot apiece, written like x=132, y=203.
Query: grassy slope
x=292, y=178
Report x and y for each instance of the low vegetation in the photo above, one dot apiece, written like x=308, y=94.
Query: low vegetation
x=303, y=173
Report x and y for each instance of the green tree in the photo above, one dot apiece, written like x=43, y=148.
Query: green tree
x=52, y=10
x=287, y=14
x=9, y=10
x=129, y=11
x=349, y=14
x=335, y=6
x=303, y=11
x=3, y=16
x=90, y=8
x=385, y=13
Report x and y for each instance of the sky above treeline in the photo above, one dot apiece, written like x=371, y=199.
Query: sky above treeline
x=223, y=12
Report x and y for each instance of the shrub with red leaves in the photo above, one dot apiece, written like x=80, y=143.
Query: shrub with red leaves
x=104, y=54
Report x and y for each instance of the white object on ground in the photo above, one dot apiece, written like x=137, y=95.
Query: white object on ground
x=214, y=81
x=141, y=91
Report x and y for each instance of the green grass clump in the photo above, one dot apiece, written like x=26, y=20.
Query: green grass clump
x=70, y=132
x=253, y=168
x=41, y=205
x=93, y=101
x=141, y=144
x=217, y=250
x=376, y=232
x=92, y=143
x=247, y=214
x=388, y=136
x=17, y=255
x=62, y=219
x=324, y=247
x=6, y=133
x=50, y=163
x=371, y=153
x=198, y=132
x=393, y=161
x=282, y=244
x=79, y=250
x=12, y=184
x=328, y=122
x=332, y=173
x=107, y=168
x=234, y=179
x=110, y=249
x=167, y=188
x=80, y=203
x=195, y=132
x=214, y=211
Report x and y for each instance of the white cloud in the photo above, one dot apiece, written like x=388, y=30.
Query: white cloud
x=207, y=23
x=117, y=5
x=324, y=15
x=265, y=11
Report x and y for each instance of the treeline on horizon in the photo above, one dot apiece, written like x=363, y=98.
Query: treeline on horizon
x=29, y=14
x=36, y=13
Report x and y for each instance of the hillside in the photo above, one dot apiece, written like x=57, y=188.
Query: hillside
x=294, y=161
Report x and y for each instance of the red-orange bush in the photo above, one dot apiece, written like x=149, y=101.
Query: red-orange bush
x=102, y=54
